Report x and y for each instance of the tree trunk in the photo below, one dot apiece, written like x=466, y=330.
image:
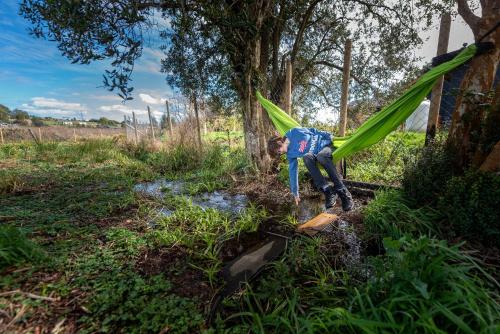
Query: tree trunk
x=255, y=137
x=475, y=122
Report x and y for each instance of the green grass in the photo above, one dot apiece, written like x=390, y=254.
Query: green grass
x=75, y=205
x=384, y=162
x=16, y=248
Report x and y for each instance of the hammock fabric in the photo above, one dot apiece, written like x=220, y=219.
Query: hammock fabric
x=381, y=124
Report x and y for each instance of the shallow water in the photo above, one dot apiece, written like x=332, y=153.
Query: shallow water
x=219, y=199
x=341, y=231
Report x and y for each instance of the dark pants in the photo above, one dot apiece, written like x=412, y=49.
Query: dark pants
x=324, y=157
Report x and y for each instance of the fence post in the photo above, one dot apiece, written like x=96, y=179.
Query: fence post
x=135, y=127
x=169, y=120
x=345, y=88
x=345, y=95
x=151, y=124
x=1, y=136
x=125, y=127
x=195, y=101
x=287, y=92
x=40, y=134
x=433, y=120
x=74, y=135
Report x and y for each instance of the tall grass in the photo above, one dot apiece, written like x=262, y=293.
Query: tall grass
x=16, y=248
x=393, y=214
x=420, y=286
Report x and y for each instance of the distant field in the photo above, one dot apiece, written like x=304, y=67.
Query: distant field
x=55, y=133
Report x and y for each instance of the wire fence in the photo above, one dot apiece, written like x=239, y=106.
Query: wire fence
x=54, y=133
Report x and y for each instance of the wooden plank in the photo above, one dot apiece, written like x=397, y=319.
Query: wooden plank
x=318, y=223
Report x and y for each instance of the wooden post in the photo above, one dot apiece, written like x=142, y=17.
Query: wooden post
x=345, y=88
x=433, y=120
x=1, y=136
x=125, y=127
x=151, y=124
x=40, y=134
x=169, y=120
x=345, y=96
x=135, y=127
x=195, y=102
x=287, y=92
x=74, y=135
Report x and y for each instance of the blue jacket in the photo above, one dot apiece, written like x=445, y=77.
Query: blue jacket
x=303, y=141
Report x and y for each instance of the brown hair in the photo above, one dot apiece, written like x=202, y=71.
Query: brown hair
x=273, y=146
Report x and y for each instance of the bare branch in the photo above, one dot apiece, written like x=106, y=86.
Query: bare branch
x=469, y=17
x=322, y=92
x=340, y=68
x=300, y=33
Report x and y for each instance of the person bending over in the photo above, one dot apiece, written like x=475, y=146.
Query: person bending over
x=313, y=146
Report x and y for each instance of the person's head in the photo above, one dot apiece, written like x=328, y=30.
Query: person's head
x=276, y=146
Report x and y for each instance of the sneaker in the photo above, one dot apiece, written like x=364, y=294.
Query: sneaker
x=346, y=198
x=330, y=197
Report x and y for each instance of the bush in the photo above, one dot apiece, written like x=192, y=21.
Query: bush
x=16, y=248
x=425, y=176
x=419, y=286
x=472, y=205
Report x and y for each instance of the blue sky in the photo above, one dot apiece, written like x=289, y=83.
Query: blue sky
x=36, y=78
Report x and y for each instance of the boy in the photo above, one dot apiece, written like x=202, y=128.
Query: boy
x=312, y=146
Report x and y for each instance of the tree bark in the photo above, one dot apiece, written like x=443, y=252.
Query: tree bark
x=255, y=137
x=475, y=121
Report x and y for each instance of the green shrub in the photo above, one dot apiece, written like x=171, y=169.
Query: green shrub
x=419, y=286
x=426, y=173
x=472, y=205
x=427, y=285
x=16, y=248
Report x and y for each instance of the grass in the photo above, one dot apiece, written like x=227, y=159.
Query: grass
x=384, y=162
x=74, y=203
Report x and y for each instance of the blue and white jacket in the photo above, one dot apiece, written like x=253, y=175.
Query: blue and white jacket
x=303, y=141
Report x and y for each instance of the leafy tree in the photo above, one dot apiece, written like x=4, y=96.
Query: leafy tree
x=37, y=121
x=4, y=113
x=107, y=122
x=20, y=115
x=241, y=46
x=474, y=130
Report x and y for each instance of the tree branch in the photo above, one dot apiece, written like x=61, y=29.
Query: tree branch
x=322, y=92
x=300, y=33
x=340, y=68
x=469, y=17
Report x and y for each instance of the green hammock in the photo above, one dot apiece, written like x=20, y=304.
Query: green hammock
x=382, y=123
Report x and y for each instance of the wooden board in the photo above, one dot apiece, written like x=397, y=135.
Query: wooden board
x=317, y=224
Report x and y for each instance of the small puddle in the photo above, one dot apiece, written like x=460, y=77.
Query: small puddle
x=219, y=199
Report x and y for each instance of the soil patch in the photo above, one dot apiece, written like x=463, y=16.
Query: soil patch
x=174, y=264
x=44, y=313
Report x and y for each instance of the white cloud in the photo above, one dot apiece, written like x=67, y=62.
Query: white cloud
x=146, y=98
x=122, y=109
x=44, y=103
x=43, y=106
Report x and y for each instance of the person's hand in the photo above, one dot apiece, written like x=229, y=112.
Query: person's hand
x=297, y=200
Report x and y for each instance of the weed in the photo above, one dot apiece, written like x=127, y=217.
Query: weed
x=392, y=214
x=471, y=204
x=16, y=248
